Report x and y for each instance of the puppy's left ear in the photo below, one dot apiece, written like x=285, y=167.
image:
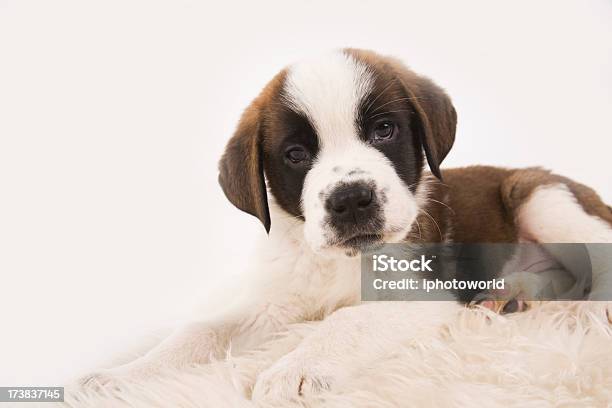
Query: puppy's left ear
x=436, y=115
x=241, y=173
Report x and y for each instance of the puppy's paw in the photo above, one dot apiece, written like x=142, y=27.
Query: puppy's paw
x=504, y=306
x=119, y=377
x=518, y=295
x=103, y=380
x=291, y=379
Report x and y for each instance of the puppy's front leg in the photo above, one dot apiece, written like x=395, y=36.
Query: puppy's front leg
x=197, y=342
x=194, y=343
x=347, y=340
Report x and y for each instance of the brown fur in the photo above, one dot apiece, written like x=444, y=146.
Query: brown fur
x=485, y=201
x=433, y=106
x=521, y=184
x=480, y=214
x=241, y=166
x=472, y=204
x=477, y=204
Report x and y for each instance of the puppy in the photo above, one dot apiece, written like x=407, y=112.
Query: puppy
x=330, y=158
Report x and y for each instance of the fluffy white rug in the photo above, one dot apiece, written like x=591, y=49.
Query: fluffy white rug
x=557, y=354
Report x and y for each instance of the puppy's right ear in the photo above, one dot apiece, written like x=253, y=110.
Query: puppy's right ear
x=241, y=174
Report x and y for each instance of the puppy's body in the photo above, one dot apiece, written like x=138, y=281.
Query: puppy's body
x=330, y=159
x=486, y=203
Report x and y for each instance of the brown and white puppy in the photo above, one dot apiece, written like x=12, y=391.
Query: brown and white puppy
x=341, y=141
x=330, y=157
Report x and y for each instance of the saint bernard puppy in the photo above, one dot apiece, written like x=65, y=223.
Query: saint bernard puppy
x=330, y=158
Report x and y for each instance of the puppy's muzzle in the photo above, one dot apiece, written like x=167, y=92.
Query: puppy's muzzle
x=354, y=214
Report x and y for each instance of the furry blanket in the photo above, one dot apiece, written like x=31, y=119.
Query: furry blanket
x=557, y=354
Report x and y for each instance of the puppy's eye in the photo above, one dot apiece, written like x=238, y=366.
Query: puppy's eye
x=297, y=155
x=383, y=131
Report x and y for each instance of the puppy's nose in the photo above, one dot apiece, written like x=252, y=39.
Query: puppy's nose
x=352, y=202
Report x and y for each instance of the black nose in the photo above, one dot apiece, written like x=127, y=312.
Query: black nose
x=352, y=202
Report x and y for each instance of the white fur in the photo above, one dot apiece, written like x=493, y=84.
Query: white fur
x=552, y=214
x=333, y=167
x=555, y=355
x=289, y=284
x=292, y=283
x=328, y=91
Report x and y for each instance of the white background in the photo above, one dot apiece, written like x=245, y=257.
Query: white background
x=113, y=115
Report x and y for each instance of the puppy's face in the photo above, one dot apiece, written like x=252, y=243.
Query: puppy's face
x=340, y=140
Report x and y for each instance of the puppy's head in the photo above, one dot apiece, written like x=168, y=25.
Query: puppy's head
x=339, y=142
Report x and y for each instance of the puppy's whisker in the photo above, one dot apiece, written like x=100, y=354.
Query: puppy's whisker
x=385, y=89
x=409, y=98
x=441, y=203
x=434, y=221
x=390, y=102
x=419, y=228
x=388, y=112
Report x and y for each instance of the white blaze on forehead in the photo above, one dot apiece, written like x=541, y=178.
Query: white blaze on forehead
x=328, y=90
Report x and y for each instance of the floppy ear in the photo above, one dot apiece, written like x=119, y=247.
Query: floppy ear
x=241, y=173
x=436, y=115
